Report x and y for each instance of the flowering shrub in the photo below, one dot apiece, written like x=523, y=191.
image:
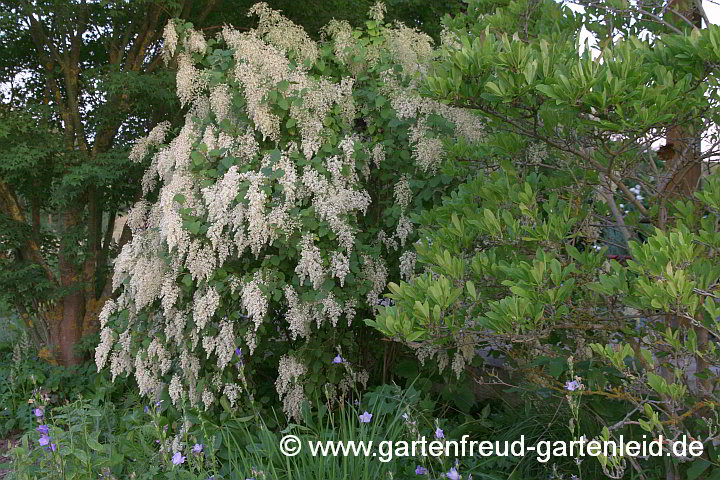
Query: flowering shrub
x=280, y=209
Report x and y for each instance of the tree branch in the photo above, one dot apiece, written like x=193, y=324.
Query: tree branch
x=565, y=148
x=607, y=194
x=31, y=249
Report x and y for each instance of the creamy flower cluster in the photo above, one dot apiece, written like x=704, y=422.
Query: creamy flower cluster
x=341, y=33
x=289, y=386
x=189, y=80
x=429, y=150
x=155, y=137
x=170, y=40
x=407, y=265
x=283, y=33
x=375, y=271
x=410, y=48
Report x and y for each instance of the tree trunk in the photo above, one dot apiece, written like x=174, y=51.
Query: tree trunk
x=74, y=316
x=682, y=173
x=67, y=329
x=67, y=322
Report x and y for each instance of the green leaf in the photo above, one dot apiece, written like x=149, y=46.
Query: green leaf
x=547, y=90
x=556, y=366
x=81, y=455
x=699, y=465
x=657, y=383
x=471, y=289
x=494, y=89
x=414, y=336
x=94, y=444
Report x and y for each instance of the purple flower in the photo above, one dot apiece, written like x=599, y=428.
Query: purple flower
x=240, y=362
x=158, y=403
x=147, y=409
x=197, y=448
x=44, y=429
x=39, y=412
x=420, y=470
x=572, y=386
x=365, y=417
x=453, y=474
x=338, y=359
x=51, y=448
x=439, y=433
x=177, y=459
x=44, y=440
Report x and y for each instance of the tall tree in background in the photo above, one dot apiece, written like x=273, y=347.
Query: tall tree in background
x=89, y=77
